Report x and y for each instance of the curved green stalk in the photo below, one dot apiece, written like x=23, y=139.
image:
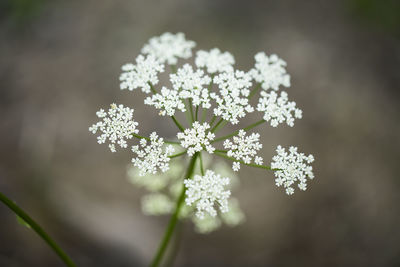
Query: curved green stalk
x=251, y=126
x=174, y=218
x=178, y=154
x=223, y=154
x=216, y=125
x=36, y=227
x=255, y=90
x=177, y=123
x=148, y=139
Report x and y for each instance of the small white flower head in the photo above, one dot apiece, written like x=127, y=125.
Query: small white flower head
x=278, y=109
x=207, y=224
x=197, y=138
x=235, y=215
x=167, y=101
x=206, y=192
x=215, y=61
x=152, y=156
x=157, y=204
x=192, y=84
x=117, y=125
x=294, y=167
x=232, y=98
x=169, y=47
x=244, y=148
x=270, y=71
x=141, y=75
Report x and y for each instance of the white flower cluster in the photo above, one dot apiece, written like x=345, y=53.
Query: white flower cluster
x=165, y=188
x=215, y=61
x=192, y=85
x=169, y=47
x=211, y=85
x=244, y=148
x=293, y=167
x=117, y=125
x=270, y=71
x=278, y=109
x=207, y=191
x=167, y=101
x=197, y=138
x=141, y=75
x=232, y=100
x=152, y=156
x=157, y=204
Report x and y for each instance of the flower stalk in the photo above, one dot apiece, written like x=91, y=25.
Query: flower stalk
x=38, y=229
x=174, y=218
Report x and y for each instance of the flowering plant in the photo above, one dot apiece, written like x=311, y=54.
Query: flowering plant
x=212, y=93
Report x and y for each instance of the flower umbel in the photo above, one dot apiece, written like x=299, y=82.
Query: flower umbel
x=169, y=47
x=152, y=156
x=197, y=138
x=207, y=191
x=270, y=71
x=293, y=167
x=244, y=148
x=212, y=93
x=116, y=125
x=278, y=109
x=215, y=61
x=142, y=75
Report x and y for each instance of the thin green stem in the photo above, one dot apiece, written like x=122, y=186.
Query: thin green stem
x=213, y=120
x=255, y=90
x=39, y=230
x=178, y=154
x=197, y=113
x=216, y=125
x=174, y=218
x=221, y=126
x=223, y=154
x=203, y=115
x=190, y=107
x=177, y=242
x=148, y=139
x=201, y=166
x=177, y=123
x=251, y=126
x=173, y=68
x=153, y=90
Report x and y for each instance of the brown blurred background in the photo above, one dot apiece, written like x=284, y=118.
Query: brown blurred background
x=60, y=62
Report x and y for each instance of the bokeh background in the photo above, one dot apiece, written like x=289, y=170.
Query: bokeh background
x=60, y=62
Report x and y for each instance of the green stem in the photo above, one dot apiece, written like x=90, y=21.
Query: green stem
x=197, y=113
x=36, y=227
x=152, y=88
x=173, y=68
x=201, y=166
x=203, y=115
x=221, y=126
x=177, y=242
x=212, y=120
x=174, y=218
x=177, y=155
x=190, y=107
x=177, y=123
x=148, y=139
x=222, y=154
x=251, y=126
x=255, y=90
x=216, y=125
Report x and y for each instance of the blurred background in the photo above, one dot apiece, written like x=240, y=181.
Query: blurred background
x=60, y=62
